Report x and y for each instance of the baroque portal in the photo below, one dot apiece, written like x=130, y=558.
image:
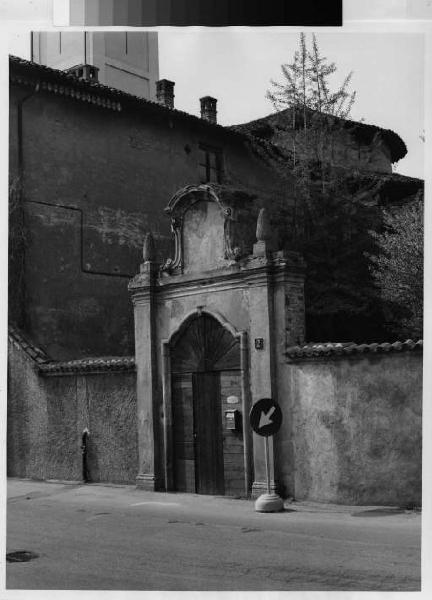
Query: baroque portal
x=196, y=319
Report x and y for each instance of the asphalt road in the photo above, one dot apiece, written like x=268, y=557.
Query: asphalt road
x=118, y=538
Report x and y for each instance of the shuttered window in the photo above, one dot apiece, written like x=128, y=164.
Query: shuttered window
x=210, y=164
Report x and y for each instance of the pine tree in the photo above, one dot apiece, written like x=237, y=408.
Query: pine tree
x=335, y=207
x=307, y=85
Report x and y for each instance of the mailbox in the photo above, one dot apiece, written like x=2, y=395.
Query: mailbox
x=233, y=420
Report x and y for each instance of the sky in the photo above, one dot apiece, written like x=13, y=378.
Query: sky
x=236, y=67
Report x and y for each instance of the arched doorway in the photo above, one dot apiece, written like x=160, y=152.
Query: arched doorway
x=207, y=436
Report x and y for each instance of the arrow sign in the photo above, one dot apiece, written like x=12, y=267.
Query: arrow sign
x=265, y=417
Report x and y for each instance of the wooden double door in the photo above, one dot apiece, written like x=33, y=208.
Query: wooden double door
x=207, y=458
x=197, y=428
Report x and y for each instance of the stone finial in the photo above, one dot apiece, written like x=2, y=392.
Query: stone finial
x=264, y=235
x=263, y=230
x=165, y=92
x=149, y=251
x=208, y=109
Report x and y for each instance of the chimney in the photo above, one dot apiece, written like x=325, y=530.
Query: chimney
x=208, y=109
x=165, y=92
x=85, y=72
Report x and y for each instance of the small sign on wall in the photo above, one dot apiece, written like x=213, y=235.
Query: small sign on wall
x=259, y=343
x=232, y=400
x=233, y=420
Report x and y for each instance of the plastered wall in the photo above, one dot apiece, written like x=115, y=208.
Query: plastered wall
x=47, y=416
x=352, y=430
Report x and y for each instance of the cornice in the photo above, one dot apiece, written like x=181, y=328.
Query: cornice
x=68, y=90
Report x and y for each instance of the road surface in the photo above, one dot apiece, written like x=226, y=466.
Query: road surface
x=93, y=537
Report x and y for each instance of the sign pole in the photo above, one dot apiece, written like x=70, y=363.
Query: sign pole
x=267, y=463
x=265, y=419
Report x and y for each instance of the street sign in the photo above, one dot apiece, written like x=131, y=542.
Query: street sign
x=265, y=417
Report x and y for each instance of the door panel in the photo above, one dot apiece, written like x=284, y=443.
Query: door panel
x=234, y=468
x=183, y=433
x=209, y=467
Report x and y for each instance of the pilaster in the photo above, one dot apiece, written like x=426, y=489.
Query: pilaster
x=275, y=299
x=142, y=289
x=262, y=369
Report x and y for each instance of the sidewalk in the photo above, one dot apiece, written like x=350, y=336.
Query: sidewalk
x=17, y=488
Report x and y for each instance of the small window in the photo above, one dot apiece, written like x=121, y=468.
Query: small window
x=210, y=164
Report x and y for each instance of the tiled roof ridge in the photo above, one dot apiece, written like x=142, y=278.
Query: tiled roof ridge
x=17, y=338
x=402, y=150
x=273, y=151
x=319, y=350
x=48, y=366
x=89, y=365
x=395, y=176
x=345, y=120
x=68, y=79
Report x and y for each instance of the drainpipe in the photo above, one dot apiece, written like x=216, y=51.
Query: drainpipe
x=20, y=182
x=84, y=451
x=20, y=128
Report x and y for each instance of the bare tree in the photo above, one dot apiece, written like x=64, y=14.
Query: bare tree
x=397, y=268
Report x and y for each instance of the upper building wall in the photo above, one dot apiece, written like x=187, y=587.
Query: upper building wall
x=97, y=169
x=347, y=144
x=127, y=60
x=341, y=149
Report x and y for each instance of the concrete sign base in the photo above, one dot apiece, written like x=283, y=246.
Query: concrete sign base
x=269, y=503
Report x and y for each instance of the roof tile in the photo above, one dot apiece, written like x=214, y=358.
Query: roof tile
x=51, y=80
x=89, y=365
x=47, y=366
x=318, y=350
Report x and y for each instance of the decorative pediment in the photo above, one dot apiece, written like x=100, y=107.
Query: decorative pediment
x=204, y=230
